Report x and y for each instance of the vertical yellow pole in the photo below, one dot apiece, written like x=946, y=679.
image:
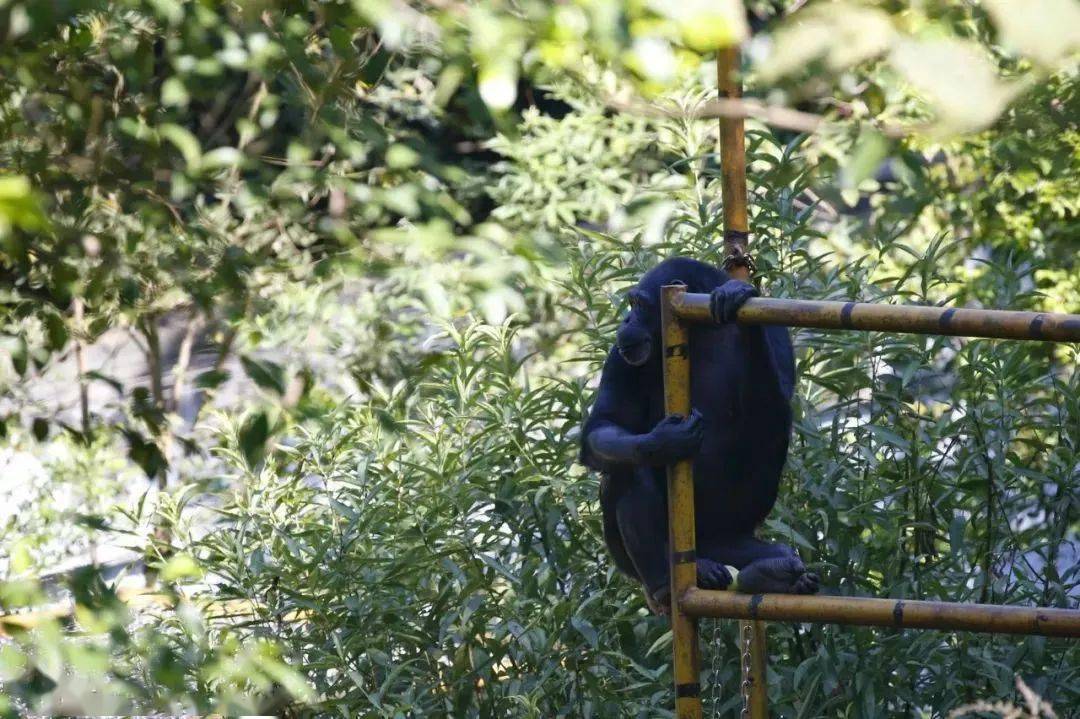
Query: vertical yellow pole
x=687, y=658
x=757, y=698
x=736, y=239
x=733, y=162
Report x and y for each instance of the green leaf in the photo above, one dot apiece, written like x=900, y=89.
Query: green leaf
x=253, y=436
x=55, y=331
x=211, y=378
x=19, y=355
x=586, y=630
x=92, y=521
x=290, y=679
x=1047, y=31
x=174, y=93
x=145, y=453
x=497, y=82
x=957, y=78
x=19, y=206
x=266, y=374
x=221, y=157
x=705, y=25
x=842, y=34
x=185, y=142
x=181, y=566
x=870, y=149
x=401, y=157
x=111, y=381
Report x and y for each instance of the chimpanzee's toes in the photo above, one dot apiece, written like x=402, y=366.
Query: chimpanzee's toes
x=659, y=602
x=778, y=575
x=712, y=575
x=806, y=584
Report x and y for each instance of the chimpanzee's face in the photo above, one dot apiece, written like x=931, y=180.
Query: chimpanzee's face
x=639, y=332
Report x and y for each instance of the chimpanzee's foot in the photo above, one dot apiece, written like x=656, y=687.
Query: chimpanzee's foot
x=712, y=575
x=783, y=575
x=659, y=602
x=806, y=584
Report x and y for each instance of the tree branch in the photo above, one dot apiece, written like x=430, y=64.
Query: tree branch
x=774, y=115
x=183, y=359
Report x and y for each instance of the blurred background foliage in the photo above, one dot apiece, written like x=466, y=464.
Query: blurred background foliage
x=300, y=302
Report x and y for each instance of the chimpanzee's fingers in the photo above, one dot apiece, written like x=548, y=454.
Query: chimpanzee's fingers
x=739, y=295
x=738, y=288
x=716, y=305
x=725, y=300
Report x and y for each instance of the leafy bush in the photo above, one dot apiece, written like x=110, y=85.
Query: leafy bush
x=412, y=241
x=444, y=547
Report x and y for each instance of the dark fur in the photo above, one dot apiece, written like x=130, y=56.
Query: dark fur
x=741, y=383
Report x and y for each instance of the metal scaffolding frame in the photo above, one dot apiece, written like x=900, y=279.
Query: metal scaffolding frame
x=680, y=308
x=689, y=603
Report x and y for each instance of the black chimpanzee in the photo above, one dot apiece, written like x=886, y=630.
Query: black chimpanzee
x=741, y=384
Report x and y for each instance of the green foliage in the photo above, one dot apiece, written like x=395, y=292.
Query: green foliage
x=579, y=169
x=449, y=511
x=444, y=560
x=54, y=527
x=159, y=660
x=408, y=227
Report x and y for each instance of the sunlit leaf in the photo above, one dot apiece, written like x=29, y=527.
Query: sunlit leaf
x=185, y=142
x=841, y=34
x=181, y=566
x=18, y=205
x=265, y=373
x=1045, y=30
x=705, y=25
x=958, y=80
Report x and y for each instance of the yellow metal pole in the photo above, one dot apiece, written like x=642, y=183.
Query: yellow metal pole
x=754, y=670
x=738, y=265
x=687, y=658
x=733, y=165
x=914, y=319
x=895, y=613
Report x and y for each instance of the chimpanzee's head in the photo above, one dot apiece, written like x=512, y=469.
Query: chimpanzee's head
x=639, y=334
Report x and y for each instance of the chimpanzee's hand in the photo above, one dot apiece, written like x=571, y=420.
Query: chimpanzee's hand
x=726, y=300
x=673, y=438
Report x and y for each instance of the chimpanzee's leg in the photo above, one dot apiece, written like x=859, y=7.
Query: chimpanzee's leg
x=611, y=486
x=763, y=566
x=641, y=512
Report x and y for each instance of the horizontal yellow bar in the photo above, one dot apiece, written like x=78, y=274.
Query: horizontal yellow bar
x=896, y=613
x=915, y=319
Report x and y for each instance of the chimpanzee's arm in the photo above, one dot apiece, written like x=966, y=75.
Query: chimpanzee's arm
x=617, y=432
x=614, y=430
x=771, y=343
x=781, y=357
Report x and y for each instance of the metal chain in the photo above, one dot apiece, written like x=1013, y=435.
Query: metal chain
x=714, y=679
x=747, y=683
x=740, y=258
